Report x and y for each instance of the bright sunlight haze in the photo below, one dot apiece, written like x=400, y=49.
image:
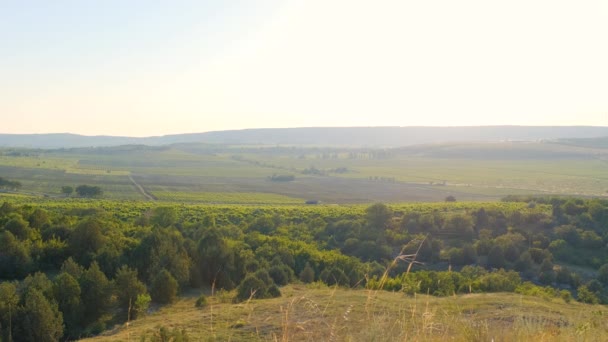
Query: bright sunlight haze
x=142, y=68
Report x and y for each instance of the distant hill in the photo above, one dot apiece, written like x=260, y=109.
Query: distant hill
x=601, y=142
x=321, y=136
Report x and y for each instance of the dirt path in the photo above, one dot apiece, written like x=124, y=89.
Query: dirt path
x=141, y=190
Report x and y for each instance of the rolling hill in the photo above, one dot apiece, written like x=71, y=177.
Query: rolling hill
x=319, y=136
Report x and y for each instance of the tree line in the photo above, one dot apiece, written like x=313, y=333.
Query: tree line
x=71, y=271
x=9, y=184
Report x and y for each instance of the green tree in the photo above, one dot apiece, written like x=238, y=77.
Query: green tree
x=163, y=216
x=257, y=285
x=39, y=218
x=15, y=259
x=547, y=274
x=8, y=307
x=88, y=191
x=215, y=259
x=127, y=287
x=164, y=287
x=72, y=268
x=569, y=234
x=142, y=303
x=40, y=319
x=163, y=249
x=19, y=227
x=334, y=276
x=96, y=294
x=86, y=239
x=67, y=190
x=524, y=262
x=496, y=257
x=584, y=295
x=66, y=291
x=308, y=274
x=378, y=215
x=40, y=282
x=602, y=274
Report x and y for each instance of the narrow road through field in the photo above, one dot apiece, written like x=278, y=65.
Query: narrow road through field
x=141, y=190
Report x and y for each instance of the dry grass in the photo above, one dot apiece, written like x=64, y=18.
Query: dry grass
x=318, y=313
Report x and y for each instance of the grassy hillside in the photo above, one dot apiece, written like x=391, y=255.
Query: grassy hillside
x=319, y=313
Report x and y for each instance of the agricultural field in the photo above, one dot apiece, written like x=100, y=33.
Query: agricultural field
x=203, y=173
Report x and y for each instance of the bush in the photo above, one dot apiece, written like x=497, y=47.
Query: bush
x=334, y=276
x=279, y=275
x=201, y=301
x=257, y=285
x=307, y=275
x=586, y=296
x=565, y=295
x=164, y=287
x=142, y=303
x=88, y=191
x=499, y=281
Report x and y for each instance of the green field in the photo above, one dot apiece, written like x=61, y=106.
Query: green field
x=238, y=174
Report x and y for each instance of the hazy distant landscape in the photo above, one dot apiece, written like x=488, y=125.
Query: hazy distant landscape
x=175, y=171
x=320, y=136
x=234, y=169
x=243, y=235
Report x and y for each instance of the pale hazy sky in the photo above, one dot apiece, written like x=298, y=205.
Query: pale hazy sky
x=147, y=67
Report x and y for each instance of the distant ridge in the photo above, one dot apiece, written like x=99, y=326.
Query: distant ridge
x=321, y=136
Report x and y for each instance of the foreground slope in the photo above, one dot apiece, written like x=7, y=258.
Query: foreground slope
x=317, y=313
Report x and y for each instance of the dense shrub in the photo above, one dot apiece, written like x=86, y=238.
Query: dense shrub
x=164, y=288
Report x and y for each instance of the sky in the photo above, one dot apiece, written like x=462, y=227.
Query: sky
x=142, y=68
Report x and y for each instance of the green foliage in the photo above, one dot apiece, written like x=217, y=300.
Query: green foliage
x=499, y=281
x=96, y=294
x=127, y=287
x=39, y=319
x=282, y=178
x=18, y=227
x=257, y=285
x=15, y=258
x=86, y=240
x=280, y=274
x=201, y=301
x=72, y=268
x=67, y=190
x=334, y=276
x=88, y=191
x=163, y=216
x=9, y=185
x=584, y=295
x=66, y=292
x=142, y=303
x=602, y=274
x=378, y=215
x=165, y=335
x=9, y=300
x=260, y=248
x=164, y=288
x=215, y=259
x=163, y=249
x=307, y=275
x=547, y=292
x=496, y=257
